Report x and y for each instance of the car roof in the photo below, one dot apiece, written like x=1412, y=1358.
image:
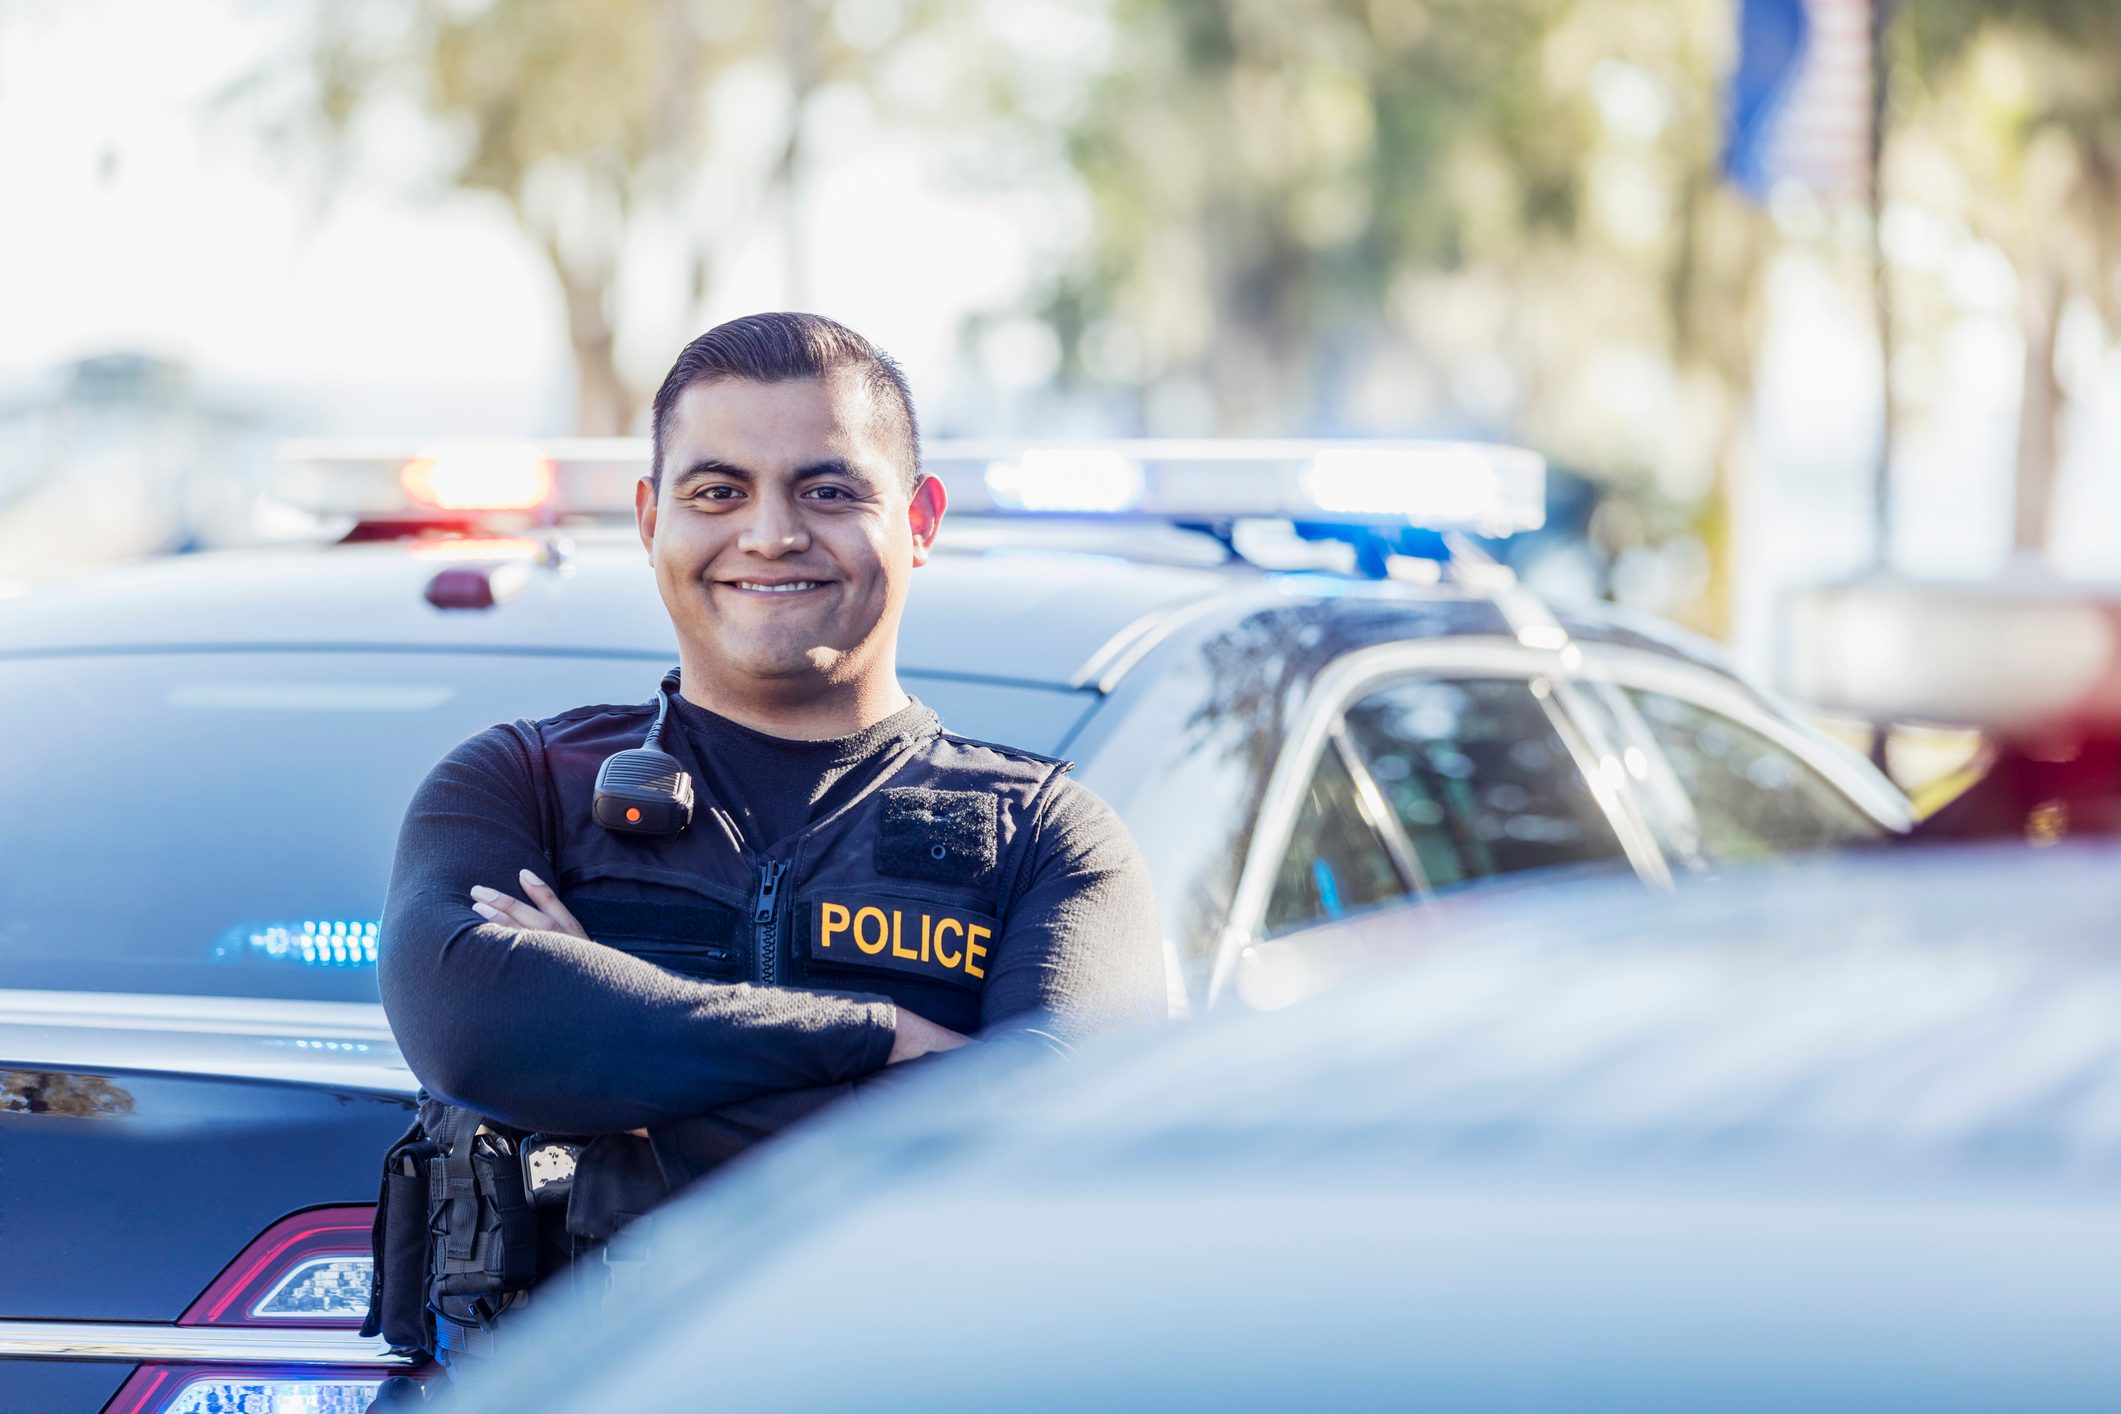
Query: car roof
x=602, y=599
x=1056, y=611
x=1082, y=607
x=1861, y=1105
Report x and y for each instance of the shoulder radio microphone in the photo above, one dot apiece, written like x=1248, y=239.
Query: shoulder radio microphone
x=644, y=791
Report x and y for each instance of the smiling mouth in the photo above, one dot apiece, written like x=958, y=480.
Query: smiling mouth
x=789, y=586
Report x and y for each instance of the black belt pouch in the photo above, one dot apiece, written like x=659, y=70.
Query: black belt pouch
x=397, y=1294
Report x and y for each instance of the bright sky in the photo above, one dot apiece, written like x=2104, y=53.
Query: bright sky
x=139, y=224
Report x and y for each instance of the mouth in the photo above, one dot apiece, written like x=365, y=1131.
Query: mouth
x=773, y=588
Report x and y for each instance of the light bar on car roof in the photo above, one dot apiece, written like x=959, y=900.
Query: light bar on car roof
x=1475, y=486
x=500, y=483
x=481, y=476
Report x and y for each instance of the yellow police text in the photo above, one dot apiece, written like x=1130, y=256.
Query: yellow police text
x=955, y=944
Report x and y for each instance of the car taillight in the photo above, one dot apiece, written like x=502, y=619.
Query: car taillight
x=309, y=1271
x=233, y=1389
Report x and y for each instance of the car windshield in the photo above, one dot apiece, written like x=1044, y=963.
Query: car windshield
x=222, y=823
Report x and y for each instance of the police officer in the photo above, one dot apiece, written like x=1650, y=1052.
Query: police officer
x=857, y=887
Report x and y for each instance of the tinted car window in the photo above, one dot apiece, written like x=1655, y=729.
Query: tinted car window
x=1752, y=799
x=1335, y=862
x=1481, y=781
x=222, y=823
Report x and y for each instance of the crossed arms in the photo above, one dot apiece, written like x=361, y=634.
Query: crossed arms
x=503, y=1004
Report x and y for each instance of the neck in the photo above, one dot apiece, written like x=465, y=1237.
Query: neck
x=798, y=709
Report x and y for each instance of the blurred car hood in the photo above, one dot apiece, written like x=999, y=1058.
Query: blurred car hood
x=1846, y=1133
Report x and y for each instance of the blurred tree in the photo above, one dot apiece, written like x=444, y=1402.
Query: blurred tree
x=2023, y=100
x=1262, y=171
x=586, y=120
x=1501, y=217
x=594, y=124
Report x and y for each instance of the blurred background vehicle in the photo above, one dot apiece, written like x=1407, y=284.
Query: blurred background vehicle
x=2028, y=659
x=1842, y=1136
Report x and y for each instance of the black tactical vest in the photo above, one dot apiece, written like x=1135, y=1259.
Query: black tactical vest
x=902, y=891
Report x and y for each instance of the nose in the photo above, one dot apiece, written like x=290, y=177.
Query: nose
x=774, y=528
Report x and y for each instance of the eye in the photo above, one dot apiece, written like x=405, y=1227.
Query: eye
x=829, y=493
x=722, y=492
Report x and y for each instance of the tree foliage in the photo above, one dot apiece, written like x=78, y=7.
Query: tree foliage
x=585, y=120
x=1261, y=171
x=1501, y=217
x=595, y=125
x=2017, y=108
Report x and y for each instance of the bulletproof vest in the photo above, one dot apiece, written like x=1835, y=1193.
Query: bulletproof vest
x=901, y=891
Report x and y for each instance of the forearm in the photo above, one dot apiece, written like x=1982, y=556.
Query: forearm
x=547, y=1031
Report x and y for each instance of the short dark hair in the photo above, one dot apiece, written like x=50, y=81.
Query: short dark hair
x=778, y=348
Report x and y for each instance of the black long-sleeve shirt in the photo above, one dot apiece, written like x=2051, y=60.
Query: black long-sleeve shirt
x=550, y=1032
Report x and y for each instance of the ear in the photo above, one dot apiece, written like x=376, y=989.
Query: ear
x=925, y=513
x=644, y=514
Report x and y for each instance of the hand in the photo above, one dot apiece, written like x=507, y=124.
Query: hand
x=544, y=912
x=917, y=1036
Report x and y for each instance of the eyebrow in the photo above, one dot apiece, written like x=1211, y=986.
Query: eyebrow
x=715, y=466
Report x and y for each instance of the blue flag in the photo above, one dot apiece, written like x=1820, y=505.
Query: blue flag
x=1772, y=38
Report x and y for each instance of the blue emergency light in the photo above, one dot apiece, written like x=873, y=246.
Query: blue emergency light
x=308, y=942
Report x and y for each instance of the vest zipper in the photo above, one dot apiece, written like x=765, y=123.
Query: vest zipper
x=765, y=916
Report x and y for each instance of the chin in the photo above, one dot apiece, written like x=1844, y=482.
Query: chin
x=791, y=665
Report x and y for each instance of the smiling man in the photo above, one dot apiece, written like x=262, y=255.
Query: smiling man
x=784, y=519
x=857, y=887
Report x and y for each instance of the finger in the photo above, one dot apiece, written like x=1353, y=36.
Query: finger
x=542, y=895
x=501, y=908
x=521, y=914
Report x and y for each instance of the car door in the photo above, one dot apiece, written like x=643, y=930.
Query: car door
x=1426, y=768
x=1726, y=779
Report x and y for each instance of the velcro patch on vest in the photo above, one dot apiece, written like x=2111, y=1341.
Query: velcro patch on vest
x=612, y=920
x=942, y=836
x=933, y=941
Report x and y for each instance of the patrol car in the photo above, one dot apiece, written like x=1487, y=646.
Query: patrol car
x=1288, y=666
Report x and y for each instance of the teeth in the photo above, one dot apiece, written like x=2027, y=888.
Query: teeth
x=789, y=588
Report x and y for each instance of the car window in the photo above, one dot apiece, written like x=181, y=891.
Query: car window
x=1480, y=779
x=1752, y=798
x=1335, y=863
x=223, y=823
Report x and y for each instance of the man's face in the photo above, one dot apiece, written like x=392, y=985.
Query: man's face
x=783, y=533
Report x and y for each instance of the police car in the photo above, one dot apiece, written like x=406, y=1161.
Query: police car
x=1288, y=666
